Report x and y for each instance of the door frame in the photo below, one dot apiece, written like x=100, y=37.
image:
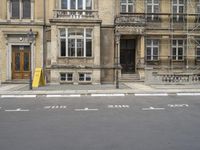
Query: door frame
x=9, y=57
x=135, y=49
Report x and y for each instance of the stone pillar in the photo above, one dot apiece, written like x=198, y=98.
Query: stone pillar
x=54, y=44
x=8, y=10
x=32, y=9
x=96, y=45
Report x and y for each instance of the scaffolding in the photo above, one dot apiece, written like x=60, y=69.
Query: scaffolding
x=175, y=19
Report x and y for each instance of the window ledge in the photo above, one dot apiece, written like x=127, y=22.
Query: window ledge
x=63, y=57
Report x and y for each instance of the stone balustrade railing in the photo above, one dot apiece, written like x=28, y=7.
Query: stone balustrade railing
x=130, y=20
x=154, y=77
x=75, y=14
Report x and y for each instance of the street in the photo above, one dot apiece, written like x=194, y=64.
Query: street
x=100, y=123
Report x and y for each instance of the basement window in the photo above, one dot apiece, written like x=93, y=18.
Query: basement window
x=66, y=77
x=85, y=77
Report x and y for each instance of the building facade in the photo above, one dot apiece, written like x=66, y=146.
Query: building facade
x=91, y=41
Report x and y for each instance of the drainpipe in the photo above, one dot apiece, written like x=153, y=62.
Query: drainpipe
x=44, y=39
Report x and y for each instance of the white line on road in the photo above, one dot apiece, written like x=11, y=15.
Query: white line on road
x=153, y=94
x=101, y=95
x=118, y=106
x=18, y=96
x=188, y=94
x=86, y=109
x=17, y=110
x=177, y=105
x=152, y=108
x=55, y=96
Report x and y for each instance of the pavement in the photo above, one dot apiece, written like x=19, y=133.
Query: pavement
x=124, y=88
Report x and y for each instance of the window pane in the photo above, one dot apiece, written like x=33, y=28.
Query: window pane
x=69, y=77
x=155, y=51
x=81, y=77
x=71, y=47
x=88, y=77
x=88, y=47
x=63, y=47
x=80, y=47
x=64, y=4
x=63, y=76
x=73, y=4
x=62, y=33
x=15, y=8
x=26, y=9
x=80, y=4
x=130, y=8
x=17, y=61
x=148, y=51
x=26, y=61
x=89, y=4
x=123, y=8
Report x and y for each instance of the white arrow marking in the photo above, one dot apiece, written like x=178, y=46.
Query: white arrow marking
x=86, y=109
x=152, y=108
x=17, y=110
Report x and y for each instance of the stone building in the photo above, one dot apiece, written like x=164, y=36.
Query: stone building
x=90, y=41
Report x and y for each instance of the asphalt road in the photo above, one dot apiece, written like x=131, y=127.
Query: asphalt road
x=100, y=123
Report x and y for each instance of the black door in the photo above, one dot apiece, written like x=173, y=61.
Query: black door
x=127, y=55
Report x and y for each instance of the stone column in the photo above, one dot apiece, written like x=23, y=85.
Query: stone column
x=96, y=45
x=8, y=10
x=54, y=44
x=32, y=9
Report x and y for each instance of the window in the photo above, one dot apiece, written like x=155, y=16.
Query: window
x=153, y=6
x=178, y=49
x=198, y=50
x=152, y=49
x=178, y=7
x=20, y=9
x=76, y=42
x=66, y=77
x=198, y=10
x=85, y=77
x=76, y=4
x=127, y=6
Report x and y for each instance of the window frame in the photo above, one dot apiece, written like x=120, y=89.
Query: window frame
x=66, y=76
x=198, y=49
x=84, y=5
x=127, y=4
x=76, y=38
x=152, y=46
x=21, y=10
x=153, y=4
x=178, y=5
x=177, y=46
x=85, y=77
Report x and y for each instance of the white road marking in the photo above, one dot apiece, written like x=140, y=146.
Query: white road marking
x=118, y=106
x=86, y=109
x=55, y=107
x=188, y=94
x=17, y=110
x=152, y=108
x=177, y=105
x=153, y=94
x=18, y=96
x=101, y=95
x=55, y=96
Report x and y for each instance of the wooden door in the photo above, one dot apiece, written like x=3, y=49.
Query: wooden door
x=20, y=62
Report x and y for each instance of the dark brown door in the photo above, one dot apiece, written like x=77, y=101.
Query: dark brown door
x=127, y=55
x=20, y=62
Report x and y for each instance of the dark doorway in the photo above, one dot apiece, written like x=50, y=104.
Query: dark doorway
x=127, y=55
